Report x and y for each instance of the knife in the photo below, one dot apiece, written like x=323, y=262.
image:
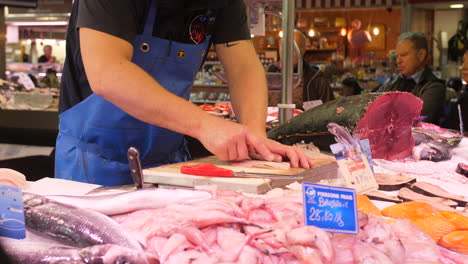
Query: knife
x=210, y=170
x=133, y=156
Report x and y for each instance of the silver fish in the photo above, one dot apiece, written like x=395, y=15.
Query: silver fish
x=44, y=253
x=147, y=198
x=71, y=225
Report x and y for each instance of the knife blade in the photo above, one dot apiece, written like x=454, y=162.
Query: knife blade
x=243, y=174
x=211, y=170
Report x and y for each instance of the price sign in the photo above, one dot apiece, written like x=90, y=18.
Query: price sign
x=331, y=208
x=355, y=168
x=11, y=212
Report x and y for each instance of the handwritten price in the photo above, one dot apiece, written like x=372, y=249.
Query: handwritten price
x=326, y=216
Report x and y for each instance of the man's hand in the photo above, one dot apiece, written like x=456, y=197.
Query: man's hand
x=232, y=141
x=283, y=152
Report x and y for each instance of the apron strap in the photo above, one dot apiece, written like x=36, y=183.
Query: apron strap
x=150, y=19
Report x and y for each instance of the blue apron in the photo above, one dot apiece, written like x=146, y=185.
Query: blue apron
x=94, y=135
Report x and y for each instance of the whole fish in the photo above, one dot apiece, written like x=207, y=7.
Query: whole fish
x=432, y=150
x=148, y=198
x=44, y=253
x=74, y=226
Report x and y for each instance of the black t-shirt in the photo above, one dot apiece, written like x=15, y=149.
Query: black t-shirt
x=126, y=19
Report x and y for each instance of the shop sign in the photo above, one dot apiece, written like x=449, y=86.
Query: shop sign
x=11, y=212
x=330, y=208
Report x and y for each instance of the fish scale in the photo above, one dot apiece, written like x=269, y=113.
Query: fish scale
x=72, y=225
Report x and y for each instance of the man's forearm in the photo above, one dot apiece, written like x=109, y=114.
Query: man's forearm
x=133, y=90
x=247, y=84
x=249, y=97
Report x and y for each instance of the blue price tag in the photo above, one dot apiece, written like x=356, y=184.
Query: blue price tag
x=11, y=212
x=331, y=208
x=365, y=146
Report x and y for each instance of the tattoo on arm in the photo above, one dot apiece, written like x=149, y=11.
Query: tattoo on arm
x=230, y=44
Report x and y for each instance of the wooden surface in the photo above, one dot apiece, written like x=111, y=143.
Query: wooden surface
x=171, y=175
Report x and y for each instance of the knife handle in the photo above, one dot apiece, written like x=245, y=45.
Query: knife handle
x=133, y=156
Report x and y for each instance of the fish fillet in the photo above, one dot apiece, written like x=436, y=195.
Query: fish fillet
x=409, y=209
x=435, y=226
x=460, y=221
x=456, y=241
x=365, y=205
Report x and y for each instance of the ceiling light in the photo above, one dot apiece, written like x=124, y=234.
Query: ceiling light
x=343, y=32
x=281, y=34
x=456, y=6
x=311, y=33
x=376, y=31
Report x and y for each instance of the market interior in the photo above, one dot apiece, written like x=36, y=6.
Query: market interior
x=347, y=54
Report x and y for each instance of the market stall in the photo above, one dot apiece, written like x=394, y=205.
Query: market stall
x=385, y=187
x=417, y=214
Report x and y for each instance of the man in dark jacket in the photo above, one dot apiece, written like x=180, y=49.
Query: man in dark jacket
x=416, y=78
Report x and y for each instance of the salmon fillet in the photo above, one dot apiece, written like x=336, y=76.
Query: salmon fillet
x=460, y=221
x=456, y=241
x=365, y=205
x=409, y=209
x=435, y=226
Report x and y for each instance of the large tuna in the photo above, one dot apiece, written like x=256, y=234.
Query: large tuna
x=384, y=118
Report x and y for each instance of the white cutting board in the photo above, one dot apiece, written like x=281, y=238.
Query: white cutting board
x=171, y=175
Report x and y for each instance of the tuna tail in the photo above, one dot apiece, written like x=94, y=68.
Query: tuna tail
x=343, y=136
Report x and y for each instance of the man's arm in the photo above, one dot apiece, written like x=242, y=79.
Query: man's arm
x=249, y=95
x=247, y=83
x=112, y=75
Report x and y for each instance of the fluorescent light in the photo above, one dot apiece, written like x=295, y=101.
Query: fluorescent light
x=456, y=6
x=38, y=23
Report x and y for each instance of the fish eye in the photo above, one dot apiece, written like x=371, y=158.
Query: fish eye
x=122, y=260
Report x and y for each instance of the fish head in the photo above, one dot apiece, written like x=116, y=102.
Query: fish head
x=31, y=200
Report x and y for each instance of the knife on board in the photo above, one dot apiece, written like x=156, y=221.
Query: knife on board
x=211, y=170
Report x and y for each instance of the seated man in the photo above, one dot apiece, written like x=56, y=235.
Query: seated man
x=416, y=78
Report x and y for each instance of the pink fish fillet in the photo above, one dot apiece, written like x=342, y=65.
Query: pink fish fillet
x=307, y=255
x=195, y=236
x=380, y=235
x=175, y=243
x=364, y=253
x=191, y=257
x=418, y=245
x=203, y=219
x=249, y=255
x=343, y=245
x=312, y=237
x=451, y=257
x=249, y=203
x=231, y=244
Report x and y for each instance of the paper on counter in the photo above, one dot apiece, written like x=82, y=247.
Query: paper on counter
x=53, y=186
